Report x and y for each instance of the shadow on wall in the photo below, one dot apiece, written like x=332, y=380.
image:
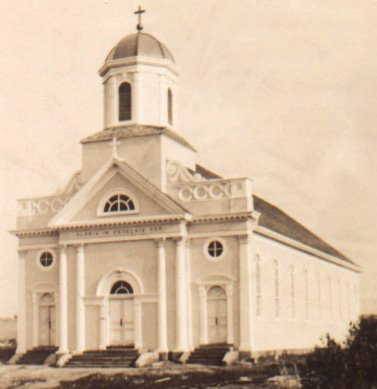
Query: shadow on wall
x=8, y=329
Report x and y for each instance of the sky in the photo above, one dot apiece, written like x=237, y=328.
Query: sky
x=282, y=91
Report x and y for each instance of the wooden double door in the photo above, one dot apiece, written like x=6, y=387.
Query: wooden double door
x=47, y=320
x=121, y=314
x=217, y=315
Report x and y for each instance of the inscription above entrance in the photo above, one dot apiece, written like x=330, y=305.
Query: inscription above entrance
x=113, y=232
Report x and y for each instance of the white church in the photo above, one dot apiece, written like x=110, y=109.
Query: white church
x=147, y=252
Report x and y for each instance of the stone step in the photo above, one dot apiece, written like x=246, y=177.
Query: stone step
x=103, y=359
x=206, y=362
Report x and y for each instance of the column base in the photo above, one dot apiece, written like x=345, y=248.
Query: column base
x=244, y=355
x=163, y=356
x=174, y=356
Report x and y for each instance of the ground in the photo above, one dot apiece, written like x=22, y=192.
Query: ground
x=166, y=376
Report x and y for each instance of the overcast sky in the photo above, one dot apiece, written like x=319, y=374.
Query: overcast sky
x=282, y=91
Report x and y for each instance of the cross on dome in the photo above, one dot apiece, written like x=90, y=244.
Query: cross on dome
x=139, y=13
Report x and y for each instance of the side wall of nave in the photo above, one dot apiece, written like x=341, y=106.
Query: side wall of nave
x=299, y=298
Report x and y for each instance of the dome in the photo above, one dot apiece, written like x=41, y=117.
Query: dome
x=140, y=44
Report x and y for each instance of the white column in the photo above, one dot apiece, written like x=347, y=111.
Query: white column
x=103, y=329
x=63, y=302
x=21, y=316
x=203, y=315
x=162, y=302
x=181, y=297
x=80, y=294
x=138, y=325
x=35, y=320
x=229, y=307
x=245, y=293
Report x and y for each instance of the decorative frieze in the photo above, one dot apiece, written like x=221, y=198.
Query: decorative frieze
x=193, y=187
x=42, y=206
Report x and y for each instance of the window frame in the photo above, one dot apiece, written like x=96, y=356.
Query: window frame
x=116, y=192
x=170, y=105
x=38, y=259
x=123, y=82
x=129, y=287
x=206, y=249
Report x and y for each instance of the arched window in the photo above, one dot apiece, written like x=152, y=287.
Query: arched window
x=125, y=101
x=306, y=296
x=170, y=106
x=122, y=287
x=119, y=203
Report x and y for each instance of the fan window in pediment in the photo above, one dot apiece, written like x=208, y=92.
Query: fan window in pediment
x=119, y=203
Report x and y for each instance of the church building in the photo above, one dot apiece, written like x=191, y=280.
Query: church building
x=146, y=251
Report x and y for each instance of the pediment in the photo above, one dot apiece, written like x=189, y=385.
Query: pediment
x=116, y=178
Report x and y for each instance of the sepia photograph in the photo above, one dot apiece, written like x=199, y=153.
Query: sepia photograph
x=188, y=194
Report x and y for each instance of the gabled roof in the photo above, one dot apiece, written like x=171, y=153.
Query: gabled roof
x=278, y=221
x=91, y=187
x=123, y=132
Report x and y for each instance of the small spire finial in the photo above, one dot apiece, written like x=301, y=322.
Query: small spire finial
x=139, y=13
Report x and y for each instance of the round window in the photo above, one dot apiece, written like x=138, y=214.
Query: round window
x=46, y=259
x=215, y=249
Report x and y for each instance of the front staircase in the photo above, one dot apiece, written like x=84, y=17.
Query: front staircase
x=113, y=356
x=37, y=355
x=210, y=354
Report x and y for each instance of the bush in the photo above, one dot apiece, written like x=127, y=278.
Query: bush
x=351, y=365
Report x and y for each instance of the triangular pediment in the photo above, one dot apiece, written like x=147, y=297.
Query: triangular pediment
x=116, y=177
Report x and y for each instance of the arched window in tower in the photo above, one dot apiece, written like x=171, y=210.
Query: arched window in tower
x=125, y=101
x=170, y=106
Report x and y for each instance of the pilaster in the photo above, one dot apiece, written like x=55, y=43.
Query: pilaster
x=63, y=302
x=203, y=315
x=245, y=292
x=181, y=296
x=162, y=299
x=21, y=316
x=138, y=334
x=35, y=319
x=80, y=294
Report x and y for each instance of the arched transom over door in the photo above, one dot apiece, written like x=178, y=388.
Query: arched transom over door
x=121, y=306
x=217, y=315
x=46, y=320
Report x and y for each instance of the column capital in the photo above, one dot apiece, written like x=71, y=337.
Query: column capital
x=160, y=242
x=62, y=247
x=22, y=254
x=180, y=240
x=245, y=238
x=78, y=245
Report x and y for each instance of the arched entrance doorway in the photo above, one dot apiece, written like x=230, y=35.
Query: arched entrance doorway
x=121, y=314
x=217, y=315
x=47, y=320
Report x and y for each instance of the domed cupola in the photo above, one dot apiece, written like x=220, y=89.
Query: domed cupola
x=140, y=82
x=139, y=44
